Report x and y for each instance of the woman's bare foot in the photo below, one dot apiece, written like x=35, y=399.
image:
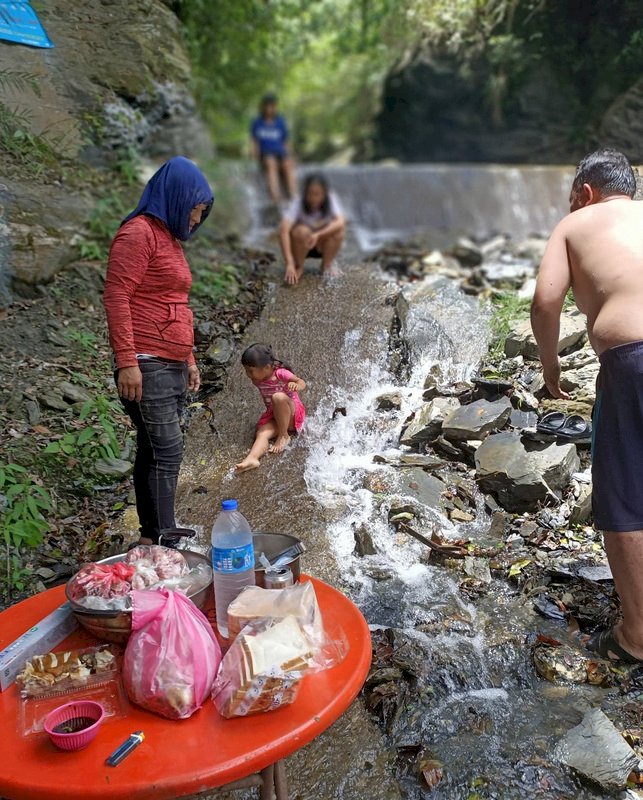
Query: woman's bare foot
x=281, y=443
x=333, y=271
x=246, y=464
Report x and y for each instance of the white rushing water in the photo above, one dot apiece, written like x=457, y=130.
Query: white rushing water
x=444, y=330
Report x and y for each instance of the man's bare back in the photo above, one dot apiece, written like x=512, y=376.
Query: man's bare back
x=598, y=250
x=604, y=247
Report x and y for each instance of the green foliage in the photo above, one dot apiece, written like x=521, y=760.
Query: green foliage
x=103, y=223
x=22, y=520
x=507, y=308
x=16, y=138
x=328, y=59
x=23, y=504
x=99, y=439
x=217, y=283
x=86, y=339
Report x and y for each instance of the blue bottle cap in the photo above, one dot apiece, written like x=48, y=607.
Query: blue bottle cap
x=229, y=505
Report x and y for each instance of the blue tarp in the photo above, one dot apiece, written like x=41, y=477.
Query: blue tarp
x=19, y=23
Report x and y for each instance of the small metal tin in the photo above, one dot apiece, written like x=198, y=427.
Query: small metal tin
x=278, y=578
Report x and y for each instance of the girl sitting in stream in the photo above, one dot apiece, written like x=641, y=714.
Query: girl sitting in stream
x=279, y=388
x=312, y=227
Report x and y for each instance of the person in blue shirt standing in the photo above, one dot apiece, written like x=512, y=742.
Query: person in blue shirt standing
x=271, y=147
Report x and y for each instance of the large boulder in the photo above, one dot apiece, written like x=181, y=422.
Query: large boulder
x=523, y=475
x=421, y=486
x=42, y=229
x=437, y=107
x=597, y=751
x=427, y=423
x=622, y=125
x=436, y=319
x=118, y=79
x=521, y=342
x=579, y=371
x=475, y=420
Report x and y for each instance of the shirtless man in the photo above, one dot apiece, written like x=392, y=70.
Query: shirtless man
x=598, y=251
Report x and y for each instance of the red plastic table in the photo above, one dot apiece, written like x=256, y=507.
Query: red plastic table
x=177, y=758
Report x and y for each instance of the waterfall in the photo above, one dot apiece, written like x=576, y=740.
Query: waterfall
x=435, y=202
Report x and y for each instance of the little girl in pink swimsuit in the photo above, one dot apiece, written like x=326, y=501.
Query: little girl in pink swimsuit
x=279, y=389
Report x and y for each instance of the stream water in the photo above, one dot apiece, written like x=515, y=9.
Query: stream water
x=473, y=701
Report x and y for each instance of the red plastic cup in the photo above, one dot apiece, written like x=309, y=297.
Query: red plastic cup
x=79, y=709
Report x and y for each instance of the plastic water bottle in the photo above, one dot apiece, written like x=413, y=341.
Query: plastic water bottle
x=233, y=559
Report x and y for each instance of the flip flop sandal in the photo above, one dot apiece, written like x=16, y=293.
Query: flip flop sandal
x=552, y=422
x=573, y=428
x=604, y=642
x=170, y=537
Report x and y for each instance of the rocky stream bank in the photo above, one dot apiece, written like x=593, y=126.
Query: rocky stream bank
x=506, y=515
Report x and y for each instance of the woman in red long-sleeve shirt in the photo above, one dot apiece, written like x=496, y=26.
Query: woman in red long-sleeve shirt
x=151, y=332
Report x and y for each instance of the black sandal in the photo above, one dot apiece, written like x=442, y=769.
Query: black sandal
x=170, y=537
x=551, y=423
x=574, y=428
x=604, y=642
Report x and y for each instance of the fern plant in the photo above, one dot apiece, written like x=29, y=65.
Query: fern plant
x=16, y=137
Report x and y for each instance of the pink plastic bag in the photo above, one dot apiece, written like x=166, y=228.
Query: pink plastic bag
x=172, y=656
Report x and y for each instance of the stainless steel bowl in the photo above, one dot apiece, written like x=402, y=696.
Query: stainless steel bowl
x=272, y=544
x=116, y=626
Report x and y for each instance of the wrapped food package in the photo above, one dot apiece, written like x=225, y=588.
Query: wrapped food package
x=67, y=669
x=102, y=580
x=282, y=637
x=164, y=561
x=255, y=603
x=263, y=668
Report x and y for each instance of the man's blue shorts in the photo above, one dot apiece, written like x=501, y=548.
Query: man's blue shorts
x=617, y=446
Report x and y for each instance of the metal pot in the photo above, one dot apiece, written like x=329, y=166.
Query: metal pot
x=272, y=544
x=116, y=626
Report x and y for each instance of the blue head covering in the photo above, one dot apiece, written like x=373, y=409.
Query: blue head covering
x=171, y=194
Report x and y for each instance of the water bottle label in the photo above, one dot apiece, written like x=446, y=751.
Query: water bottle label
x=233, y=559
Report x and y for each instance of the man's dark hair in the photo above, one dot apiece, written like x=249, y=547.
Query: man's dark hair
x=269, y=99
x=607, y=171
x=321, y=180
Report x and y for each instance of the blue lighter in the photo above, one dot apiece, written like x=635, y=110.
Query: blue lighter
x=125, y=749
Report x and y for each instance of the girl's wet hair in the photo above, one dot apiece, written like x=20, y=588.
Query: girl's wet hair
x=261, y=355
x=321, y=180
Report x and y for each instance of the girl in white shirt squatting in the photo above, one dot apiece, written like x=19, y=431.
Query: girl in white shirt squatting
x=312, y=227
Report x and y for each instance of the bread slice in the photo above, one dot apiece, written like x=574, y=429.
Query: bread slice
x=277, y=648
